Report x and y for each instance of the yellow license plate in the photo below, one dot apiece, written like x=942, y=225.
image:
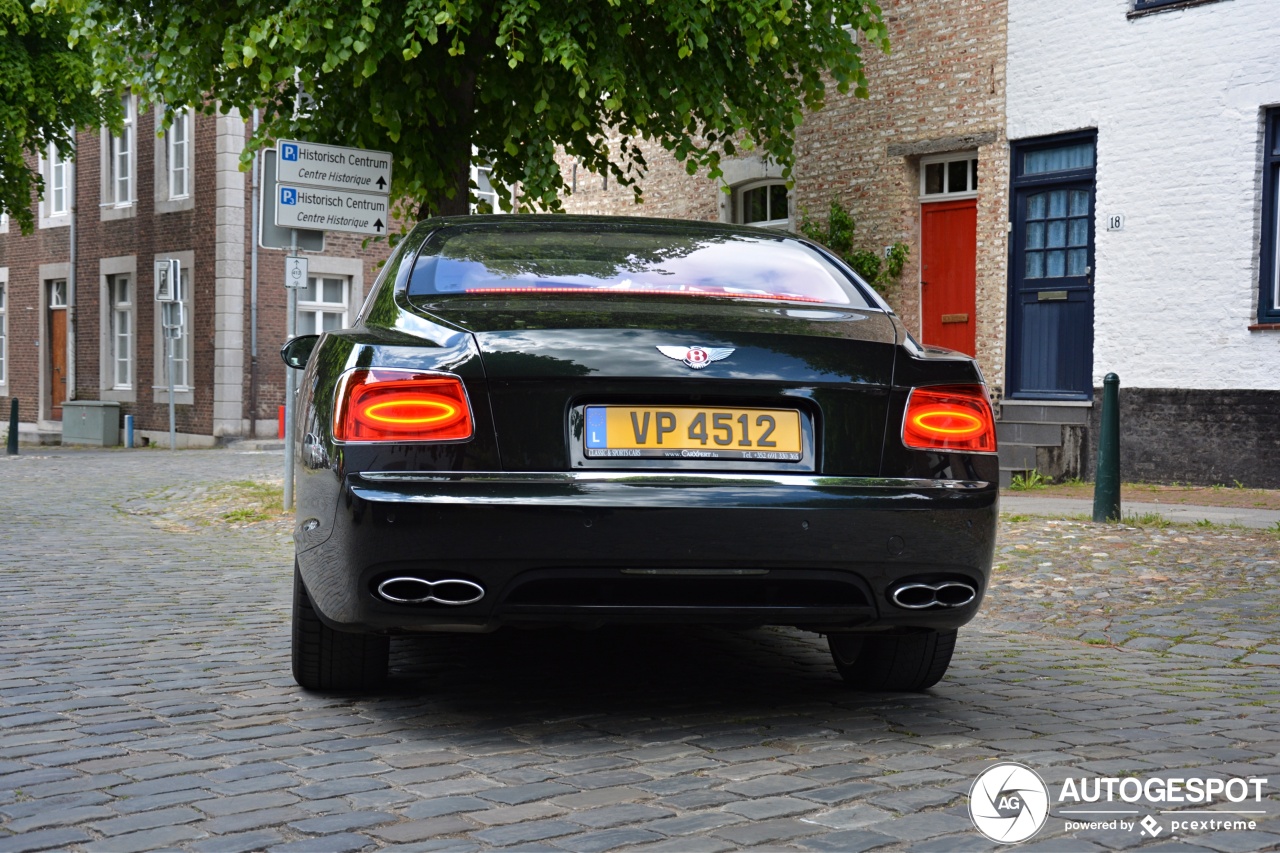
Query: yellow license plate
x=693, y=432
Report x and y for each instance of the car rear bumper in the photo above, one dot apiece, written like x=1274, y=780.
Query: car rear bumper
x=595, y=547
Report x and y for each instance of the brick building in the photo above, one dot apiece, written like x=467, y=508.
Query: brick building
x=1162, y=117
x=923, y=161
x=78, y=319
x=1084, y=188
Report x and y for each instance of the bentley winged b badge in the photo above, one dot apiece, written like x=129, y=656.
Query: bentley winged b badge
x=696, y=357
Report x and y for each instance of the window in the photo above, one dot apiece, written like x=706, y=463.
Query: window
x=762, y=204
x=4, y=327
x=486, y=197
x=662, y=262
x=58, y=293
x=120, y=165
x=322, y=305
x=120, y=292
x=949, y=176
x=1269, y=284
x=57, y=192
x=179, y=145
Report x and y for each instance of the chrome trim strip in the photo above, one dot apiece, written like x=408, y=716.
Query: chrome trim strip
x=671, y=478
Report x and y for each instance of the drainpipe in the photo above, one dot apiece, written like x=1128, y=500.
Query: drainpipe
x=71, y=274
x=253, y=292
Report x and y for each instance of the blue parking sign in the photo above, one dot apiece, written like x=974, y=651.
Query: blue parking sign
x=288, y=195
x=288, y=151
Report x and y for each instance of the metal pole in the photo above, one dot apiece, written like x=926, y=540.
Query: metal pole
x=128, y=431
x=173, y=429
x=1106, y=490
x=12, y=449
x=253, y=290
x=291, y=329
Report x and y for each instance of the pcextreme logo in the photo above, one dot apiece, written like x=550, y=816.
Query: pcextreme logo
x=1009, y=803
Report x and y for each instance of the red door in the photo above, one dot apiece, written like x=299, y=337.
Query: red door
x=948, y=273
x=57, y=348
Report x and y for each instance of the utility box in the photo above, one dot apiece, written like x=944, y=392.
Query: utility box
x=91, y=422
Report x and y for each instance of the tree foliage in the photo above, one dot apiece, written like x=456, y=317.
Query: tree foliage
x=836, y=233
x=515, y=80
x=46, y=88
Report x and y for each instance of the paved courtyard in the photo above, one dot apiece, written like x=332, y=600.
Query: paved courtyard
x=146, y=701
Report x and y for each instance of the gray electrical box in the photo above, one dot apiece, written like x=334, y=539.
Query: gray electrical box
x=91, y=422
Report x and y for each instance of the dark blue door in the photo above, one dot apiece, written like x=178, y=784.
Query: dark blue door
x=1051, y=270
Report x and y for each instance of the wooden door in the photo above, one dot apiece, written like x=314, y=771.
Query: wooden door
x=948, y=273
x=57, y=350
x=1051, y=321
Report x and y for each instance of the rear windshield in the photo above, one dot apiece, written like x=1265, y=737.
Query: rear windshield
x=590, y=260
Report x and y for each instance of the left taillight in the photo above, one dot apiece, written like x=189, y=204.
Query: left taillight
x=384, y=404
x=950, y=417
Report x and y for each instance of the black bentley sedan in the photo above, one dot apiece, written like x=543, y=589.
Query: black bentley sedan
x=541, y=420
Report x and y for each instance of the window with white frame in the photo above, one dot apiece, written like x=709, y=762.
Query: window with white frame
x=179, y=151
x=4, y=328
x=323, y=303
x=949, y=176
x=761, y=203
x=58, y=187
x=486, y=197
x=120, y=294
x=120, y=163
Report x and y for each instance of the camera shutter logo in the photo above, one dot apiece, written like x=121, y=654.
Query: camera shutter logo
x=1008, y=803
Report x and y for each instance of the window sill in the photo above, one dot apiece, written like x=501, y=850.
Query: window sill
x=118, y=395
x=1168, y=7
x=111, y=211
x=1265, y=327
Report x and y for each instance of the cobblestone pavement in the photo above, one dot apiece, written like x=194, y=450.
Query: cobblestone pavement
x=146, y=702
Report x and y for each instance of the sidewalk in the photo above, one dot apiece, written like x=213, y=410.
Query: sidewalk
x=1182, y=513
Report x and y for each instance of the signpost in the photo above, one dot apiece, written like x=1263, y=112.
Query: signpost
x=333, y=167
x=295, y=273
x=323, y=188
x=173, y=321
x=331, y=210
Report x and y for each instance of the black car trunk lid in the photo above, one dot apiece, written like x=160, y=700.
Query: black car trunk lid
x=546, y=359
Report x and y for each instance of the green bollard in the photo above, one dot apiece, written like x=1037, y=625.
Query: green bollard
x=12, y=450
x=1106, y=487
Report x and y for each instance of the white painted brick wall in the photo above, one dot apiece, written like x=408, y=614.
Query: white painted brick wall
x=1177, y=99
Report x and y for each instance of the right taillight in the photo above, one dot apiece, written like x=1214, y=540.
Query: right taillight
x=388, y=404
x=950, y=417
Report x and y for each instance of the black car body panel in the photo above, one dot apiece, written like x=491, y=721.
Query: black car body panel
x=552, y=536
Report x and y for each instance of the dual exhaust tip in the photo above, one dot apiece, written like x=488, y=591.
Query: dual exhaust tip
x=452, y=592
x=456, y=592
x=923, y=596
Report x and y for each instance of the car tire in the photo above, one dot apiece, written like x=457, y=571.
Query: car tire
x=325, y=659
x=892, y=662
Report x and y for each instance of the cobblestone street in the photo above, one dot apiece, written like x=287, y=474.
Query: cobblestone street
x=146, y=700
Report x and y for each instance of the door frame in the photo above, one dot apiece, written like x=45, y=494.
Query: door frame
x=45, y=274
x=1020, y=183
x=46, y=336
x=951, y=203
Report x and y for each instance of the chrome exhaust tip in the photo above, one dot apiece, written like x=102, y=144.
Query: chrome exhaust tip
x=453, y=592
x=922, y=596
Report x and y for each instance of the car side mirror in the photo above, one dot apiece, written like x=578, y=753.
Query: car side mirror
x=296, y=352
